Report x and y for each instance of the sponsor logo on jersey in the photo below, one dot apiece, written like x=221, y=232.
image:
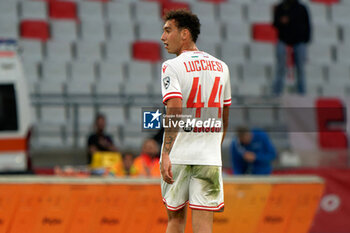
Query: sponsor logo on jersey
x=187, y=128
x=164, y=68
x=210, y=125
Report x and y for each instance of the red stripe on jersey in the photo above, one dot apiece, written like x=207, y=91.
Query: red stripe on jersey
x=227, y=102
x=171, y=95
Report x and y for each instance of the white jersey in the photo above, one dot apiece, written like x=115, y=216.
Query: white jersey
x=201, y=81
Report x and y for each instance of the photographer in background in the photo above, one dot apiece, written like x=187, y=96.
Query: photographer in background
x=99, y=140
x=252, y=152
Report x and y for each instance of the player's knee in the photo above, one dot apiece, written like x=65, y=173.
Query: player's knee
x=178, y=217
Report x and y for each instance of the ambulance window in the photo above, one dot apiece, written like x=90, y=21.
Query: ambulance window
x=8, y=108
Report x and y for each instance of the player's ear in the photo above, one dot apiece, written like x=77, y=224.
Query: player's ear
x=185, y=33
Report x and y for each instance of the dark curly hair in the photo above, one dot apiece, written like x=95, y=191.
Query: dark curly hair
x=185, y=19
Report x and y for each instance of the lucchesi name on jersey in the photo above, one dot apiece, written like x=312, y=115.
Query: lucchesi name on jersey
x=201, y=65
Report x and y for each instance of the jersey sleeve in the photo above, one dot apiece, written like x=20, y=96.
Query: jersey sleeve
x=227, y=89
x=170, y=83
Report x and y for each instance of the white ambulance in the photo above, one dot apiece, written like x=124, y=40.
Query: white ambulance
x=15, y=120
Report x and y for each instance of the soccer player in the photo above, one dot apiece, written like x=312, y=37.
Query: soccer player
x=191, y=162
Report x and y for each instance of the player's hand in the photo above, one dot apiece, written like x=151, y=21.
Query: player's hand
x=165, y=169
x=249, y=156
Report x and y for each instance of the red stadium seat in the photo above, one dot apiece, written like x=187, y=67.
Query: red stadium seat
x=146, y=51
x=328, y=111
x=328, y=2
x=44, y=171
x=166, y=6
x=63, y=10
x=264, y=32
x=35, y=29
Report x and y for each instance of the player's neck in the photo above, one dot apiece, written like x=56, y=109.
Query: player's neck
x=189, y=47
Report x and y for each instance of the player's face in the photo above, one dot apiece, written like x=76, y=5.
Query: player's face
x=171, y=37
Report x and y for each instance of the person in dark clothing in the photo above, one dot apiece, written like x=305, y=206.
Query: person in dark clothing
x=292, y=21
x=252, y=152
x=99, y=140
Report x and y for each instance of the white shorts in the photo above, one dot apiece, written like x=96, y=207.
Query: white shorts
x=200, y=185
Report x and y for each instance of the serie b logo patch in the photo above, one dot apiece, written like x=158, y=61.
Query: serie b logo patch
x=166, y=82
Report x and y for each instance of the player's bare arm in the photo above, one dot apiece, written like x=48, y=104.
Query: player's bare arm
x=225, y=121
x=170, y=134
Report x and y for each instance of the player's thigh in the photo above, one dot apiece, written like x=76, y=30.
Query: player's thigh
x=202, y=221
x=176, y=195
x=206, y=188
